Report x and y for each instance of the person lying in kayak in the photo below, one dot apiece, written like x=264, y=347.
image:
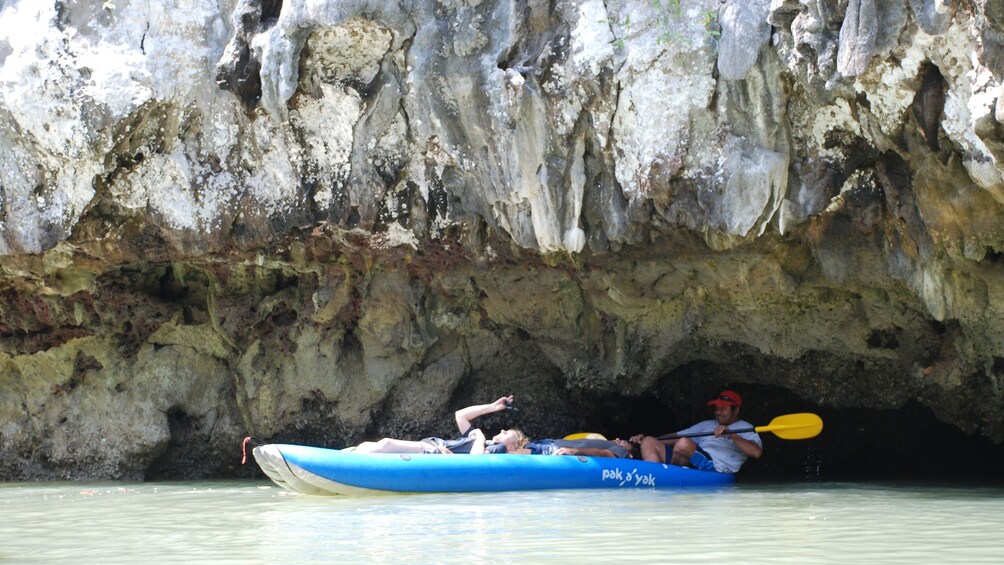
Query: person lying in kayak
x=722, y=452
x=471, y=440
x=588, y=447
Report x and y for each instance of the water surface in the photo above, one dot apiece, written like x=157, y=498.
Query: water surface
x=249, y=522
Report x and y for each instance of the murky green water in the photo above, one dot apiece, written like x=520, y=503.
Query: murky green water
x=245, y=522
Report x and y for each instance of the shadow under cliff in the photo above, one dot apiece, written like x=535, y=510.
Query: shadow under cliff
x=904, y=444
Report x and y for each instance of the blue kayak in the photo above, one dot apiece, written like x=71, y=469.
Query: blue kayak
x=316, y=470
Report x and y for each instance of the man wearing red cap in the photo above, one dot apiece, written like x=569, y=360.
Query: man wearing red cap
x=723, y=452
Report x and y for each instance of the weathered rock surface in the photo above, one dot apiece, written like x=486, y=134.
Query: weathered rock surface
x=325, y=221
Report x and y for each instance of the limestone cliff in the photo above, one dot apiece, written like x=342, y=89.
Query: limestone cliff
x=324, y=221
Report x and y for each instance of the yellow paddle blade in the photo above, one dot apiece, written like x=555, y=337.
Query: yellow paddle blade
x=585, y=435
x=794, y=426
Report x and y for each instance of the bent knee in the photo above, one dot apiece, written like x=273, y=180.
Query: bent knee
x=685, y=445
x=650, y=441
x=653, y=450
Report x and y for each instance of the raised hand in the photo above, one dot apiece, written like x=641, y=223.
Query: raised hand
x=502, y=403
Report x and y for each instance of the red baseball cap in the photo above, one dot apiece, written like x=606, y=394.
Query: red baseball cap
x=727, y=398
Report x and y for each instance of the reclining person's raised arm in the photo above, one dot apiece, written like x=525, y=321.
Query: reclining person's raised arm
x=465, y=415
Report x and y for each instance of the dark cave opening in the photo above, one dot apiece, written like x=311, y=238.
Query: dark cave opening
x=181, y=456
x=904, y=444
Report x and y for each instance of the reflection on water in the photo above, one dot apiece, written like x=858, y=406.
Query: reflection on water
x=235, y=522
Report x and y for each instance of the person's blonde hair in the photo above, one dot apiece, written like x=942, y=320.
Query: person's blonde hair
x=521, y=439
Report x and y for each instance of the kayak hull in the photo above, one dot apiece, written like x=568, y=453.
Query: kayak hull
x=321, y=471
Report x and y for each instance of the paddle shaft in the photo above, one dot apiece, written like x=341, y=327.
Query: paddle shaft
x=790, y=426
x=699, y=434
